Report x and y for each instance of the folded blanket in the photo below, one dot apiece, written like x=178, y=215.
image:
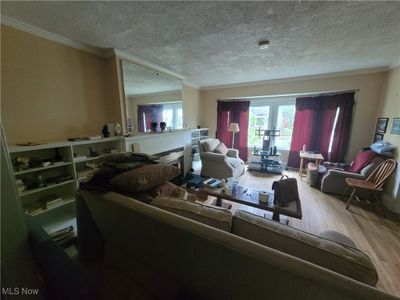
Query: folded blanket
x=383, y=148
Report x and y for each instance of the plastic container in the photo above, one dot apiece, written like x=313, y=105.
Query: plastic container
x=234, y=186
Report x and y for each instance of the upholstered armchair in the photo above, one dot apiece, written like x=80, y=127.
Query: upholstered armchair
x=218, y=165
x=334, y=180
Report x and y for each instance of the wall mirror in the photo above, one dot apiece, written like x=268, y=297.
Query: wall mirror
x=153, y=100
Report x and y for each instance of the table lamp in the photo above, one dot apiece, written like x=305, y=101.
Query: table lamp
x=234, y=128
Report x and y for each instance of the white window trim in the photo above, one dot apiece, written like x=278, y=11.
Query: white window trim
x=274, y=104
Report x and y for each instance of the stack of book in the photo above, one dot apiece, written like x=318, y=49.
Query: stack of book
x=21, y=187
x=212, y=183
x=34, y=210
x=64, y=237
x=50, y=200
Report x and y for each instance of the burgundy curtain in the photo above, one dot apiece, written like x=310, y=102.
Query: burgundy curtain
x=304, y=132
x=313, y=125
x=148, y=114
x=233, y=112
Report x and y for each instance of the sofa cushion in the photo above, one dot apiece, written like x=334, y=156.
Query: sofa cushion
x=217, y=217
x=144, y=178
x=337, y=237
x=221, y=148
x=210, y=145
x=338, y=257
x=362, y=159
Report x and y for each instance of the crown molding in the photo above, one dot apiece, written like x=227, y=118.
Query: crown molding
x=137, y=60
x=50, y=36
x=188, y=83
x=289, y=79
x=105, y=53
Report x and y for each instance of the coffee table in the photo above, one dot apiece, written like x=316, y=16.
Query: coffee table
x=249, y=197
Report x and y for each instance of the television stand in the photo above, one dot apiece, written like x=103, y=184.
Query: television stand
x=266, y=163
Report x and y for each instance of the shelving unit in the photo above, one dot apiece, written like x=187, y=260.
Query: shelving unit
x=197, y=136
x=51, y=186
x=31, y=170
x=63, y=163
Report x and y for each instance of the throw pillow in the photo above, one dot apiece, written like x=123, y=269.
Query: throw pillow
x=144, y=178
x=221, y=148
x=211, y=144
x=213, y=216
x=363, y=158
x=167, y=189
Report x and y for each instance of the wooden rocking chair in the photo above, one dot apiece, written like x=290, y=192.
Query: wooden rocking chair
x=373, y=183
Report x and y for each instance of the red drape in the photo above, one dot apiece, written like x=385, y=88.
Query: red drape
x=148, y=114
x=313, y=125
x=233, y=112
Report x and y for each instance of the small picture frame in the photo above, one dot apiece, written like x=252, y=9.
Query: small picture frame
x=381, y=125
x=395, y=126
x=378, y=137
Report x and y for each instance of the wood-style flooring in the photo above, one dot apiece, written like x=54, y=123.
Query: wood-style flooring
x=378, y=237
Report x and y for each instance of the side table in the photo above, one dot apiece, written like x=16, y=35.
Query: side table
x=317, y=157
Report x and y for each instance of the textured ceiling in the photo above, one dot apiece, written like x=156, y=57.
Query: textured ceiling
x=214, y=43
x=140, y=81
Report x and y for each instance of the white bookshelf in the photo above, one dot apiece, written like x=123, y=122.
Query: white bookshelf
x=197, y=136
x=73, y=169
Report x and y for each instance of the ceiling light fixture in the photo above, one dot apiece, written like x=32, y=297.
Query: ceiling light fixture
x=263, y=44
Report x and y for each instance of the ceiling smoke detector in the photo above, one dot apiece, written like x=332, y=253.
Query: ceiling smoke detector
x=263, y=44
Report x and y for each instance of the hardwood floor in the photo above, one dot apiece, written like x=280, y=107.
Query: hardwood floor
x=378, y=237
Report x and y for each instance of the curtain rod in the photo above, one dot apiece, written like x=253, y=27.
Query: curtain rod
x=312, y=94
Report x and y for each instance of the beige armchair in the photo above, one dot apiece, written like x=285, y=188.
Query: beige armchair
x=334, y=180
x=218, y=165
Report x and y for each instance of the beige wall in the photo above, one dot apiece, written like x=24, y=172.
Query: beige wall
x=50, y=91
x=390, y=108
x=364, y=118
x=191, y=107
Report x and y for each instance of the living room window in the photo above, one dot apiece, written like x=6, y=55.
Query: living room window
x=172, y=114
x=168, y=112
x=268, y=114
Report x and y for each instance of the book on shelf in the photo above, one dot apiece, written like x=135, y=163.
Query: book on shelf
x=61, y=231
x=50, y=200
x=34, y=210
x=80, y=158
x=64, y=237
x=54, y=203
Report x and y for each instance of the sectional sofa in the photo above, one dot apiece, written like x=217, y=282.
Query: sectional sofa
x=175, y=249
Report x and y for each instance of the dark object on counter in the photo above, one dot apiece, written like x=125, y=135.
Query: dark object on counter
x=76, y=139
x=163, y=125
x=153, y=126
x=105, y=131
